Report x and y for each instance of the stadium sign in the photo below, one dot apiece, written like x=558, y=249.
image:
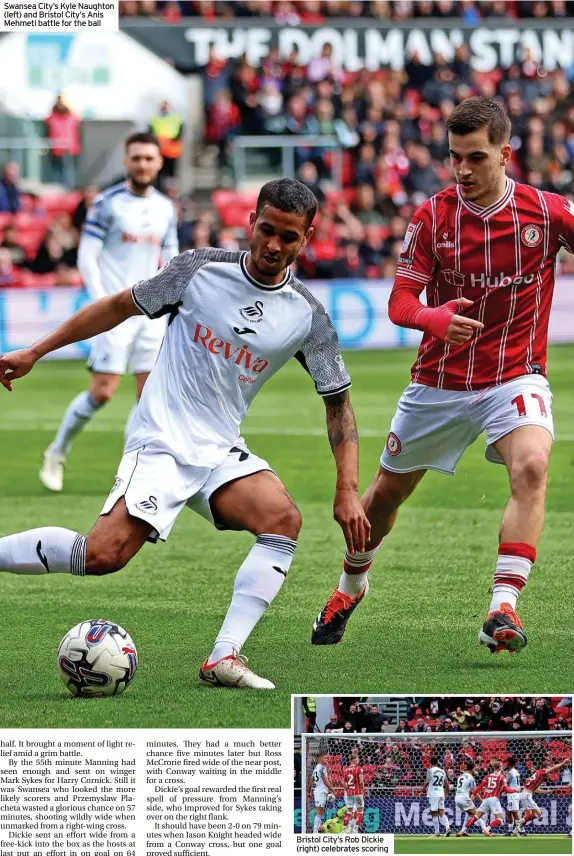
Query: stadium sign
x=357, y=45
x=358, y=309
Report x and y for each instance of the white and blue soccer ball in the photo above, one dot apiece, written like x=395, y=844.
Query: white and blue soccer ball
x=97, y=658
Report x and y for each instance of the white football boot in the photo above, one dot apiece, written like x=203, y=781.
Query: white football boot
x=233, y=671
x=52, y=472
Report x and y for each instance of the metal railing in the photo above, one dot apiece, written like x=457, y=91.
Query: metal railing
x=29, y=153
x=287, y=144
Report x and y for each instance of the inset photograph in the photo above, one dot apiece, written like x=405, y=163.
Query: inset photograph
x=435, y=770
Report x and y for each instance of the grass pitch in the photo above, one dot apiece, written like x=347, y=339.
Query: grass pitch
x=480, y=844
x=416, y=632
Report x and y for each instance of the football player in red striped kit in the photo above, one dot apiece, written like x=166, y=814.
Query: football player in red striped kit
x=484, y=251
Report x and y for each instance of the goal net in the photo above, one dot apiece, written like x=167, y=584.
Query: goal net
x=394, y=772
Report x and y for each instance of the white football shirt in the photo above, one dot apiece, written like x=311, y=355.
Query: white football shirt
x=137, y=232
x=513, y=780
x=227, y=334
x=464, y=785
x=435, y=778
x=318, y=777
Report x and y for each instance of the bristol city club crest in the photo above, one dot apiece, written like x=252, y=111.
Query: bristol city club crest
x=531, y=235
x=393, y=444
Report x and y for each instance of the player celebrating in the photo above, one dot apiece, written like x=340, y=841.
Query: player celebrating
x=485, y=252
x=490, y=789
x=354, y=795
x=512, y=800
x=465, y=784
x=234, y=320
x=437, y=790
x=130, y=229
x=531, y=785
x=321, y=788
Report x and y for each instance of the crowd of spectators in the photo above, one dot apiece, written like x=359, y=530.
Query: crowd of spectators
x=446, y=715
x=317, y=11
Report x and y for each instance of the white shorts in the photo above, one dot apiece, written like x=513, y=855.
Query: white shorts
x=156, y=486
x=464, y=803
x=436, y=803
x=527, y=801
x=432, y=427
x=491, y=805
x=132, y=346
x=320, y=798
x=355, y=803
x=513, y=802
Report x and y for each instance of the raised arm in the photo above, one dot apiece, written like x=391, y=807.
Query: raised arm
x=344, y=441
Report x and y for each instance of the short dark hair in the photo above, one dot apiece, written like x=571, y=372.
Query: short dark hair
x=511, y=761
x=434, y=760
x=470, y=765
x=142, y=137
x=480, y=112
x=289, y=195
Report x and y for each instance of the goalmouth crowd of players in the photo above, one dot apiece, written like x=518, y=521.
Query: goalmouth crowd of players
x=488, y=815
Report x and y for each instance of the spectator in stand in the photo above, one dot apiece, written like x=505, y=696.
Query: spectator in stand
x=244, y=88
x=79, y=215
x=215, y=76
x=346, y=129
x=168, y=127
x=336, y=723
x=421, y=178
x=226, y=240
x=349, y=264
x=376, y=719
x=51, y=256
x=542, y=714
x=63, y=133
x=366, y=165
x=308, y=175
x=371, y=249
x=10, y=243
x=223, y=122
x=8, y=276
x=403, y=727
x=363, y=207
x=9, y=192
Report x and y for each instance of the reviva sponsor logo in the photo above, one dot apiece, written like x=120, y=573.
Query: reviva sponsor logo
x=240, y=355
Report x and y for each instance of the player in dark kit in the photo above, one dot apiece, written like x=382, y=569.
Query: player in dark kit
x=484, y=250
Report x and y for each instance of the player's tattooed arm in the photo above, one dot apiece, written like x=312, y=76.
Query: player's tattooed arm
x=344, y=440
x=341, y=424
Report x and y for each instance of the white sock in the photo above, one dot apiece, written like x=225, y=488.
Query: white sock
x=444, y=821
x=76, y=417
x=49, y=550
x=355, y=571
x=317, y=822
x=130, y=420
x=435, y=823
x=257, y=583
x=481, y=823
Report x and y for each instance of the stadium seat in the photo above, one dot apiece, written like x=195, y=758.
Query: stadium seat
x=68, y=202
x=5, y=219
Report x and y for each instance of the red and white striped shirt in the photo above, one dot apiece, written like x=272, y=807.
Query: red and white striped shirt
x=534, y=781
x=501, y=257
x=493, y=785
x=353, y=781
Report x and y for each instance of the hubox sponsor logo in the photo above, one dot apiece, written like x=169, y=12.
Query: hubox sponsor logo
x=458, y=279
x=241, y=356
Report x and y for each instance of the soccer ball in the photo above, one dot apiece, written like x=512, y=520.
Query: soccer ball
x=97, y=658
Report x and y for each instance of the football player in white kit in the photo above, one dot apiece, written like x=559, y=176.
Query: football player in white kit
x=512, y=800
x=465, y=784
x=437, y=790
x=129, y=232
x=322, y=790
x=233, y=320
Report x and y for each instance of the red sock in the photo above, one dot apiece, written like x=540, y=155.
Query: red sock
x=359, y=818
x=346, y=819
x=472, y=819
x=529, y=816
x=495, y=823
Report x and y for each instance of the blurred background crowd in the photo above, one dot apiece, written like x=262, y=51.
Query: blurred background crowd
x=383, y=152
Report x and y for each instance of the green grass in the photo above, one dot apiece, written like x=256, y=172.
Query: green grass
x=480, y=844
x=415, y=633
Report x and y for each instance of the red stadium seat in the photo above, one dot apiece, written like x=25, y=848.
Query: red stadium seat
x=5, y=219
x=23, y=220
x=68, y=202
